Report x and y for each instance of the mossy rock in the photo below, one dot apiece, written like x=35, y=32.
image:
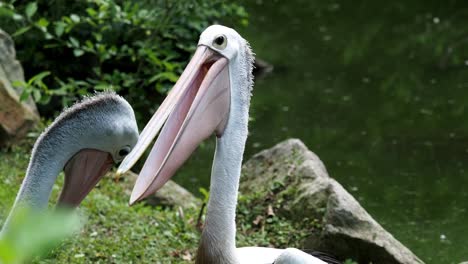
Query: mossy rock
x=294, y=177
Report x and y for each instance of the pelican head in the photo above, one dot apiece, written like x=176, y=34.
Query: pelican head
x=211, y=96
x=84, y=141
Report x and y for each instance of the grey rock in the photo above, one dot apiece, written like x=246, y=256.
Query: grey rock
x=16, y=118
x=170, y=195
x=348, y=230
x=10, y=66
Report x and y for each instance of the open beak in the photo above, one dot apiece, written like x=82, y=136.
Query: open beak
x=82, y=172
x=197, y=107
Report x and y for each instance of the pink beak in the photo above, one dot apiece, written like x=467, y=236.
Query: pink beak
x=82, y=172
x=199, y=106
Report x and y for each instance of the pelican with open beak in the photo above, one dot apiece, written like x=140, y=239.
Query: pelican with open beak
x=211, y=97
x=197, y=106
x=84, y=141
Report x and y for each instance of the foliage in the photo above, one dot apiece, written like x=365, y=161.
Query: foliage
x=135, y=47
x=33, y=233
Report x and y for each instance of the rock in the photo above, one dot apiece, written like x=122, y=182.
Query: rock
x=16, y=118
x=11, y=67
x=171, y=194
x=348, y=230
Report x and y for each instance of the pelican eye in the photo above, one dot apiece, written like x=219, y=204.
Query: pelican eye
x=220, y=42
x=124, y=151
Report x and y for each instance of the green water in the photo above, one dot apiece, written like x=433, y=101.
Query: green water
x=367, y=87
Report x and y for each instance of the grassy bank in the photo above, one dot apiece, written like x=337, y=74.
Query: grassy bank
x=116, y=233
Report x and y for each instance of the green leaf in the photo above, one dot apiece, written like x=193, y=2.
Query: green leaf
x=89, y=44
x=45, y=99
x=38, y=77
x=164, y=76
x=78, y=52
x=24, y=96
x=19, y=84
x=31, y=9
x=102, y=86
x=91, y=12
x=43, y=23
x=61, y=91
x=74, y=42
x=75, y=18
x=6, y=12
x=31, y=233
x=36, y=95
x=59, y=28
x=17, y=17
x=21, y=31
x=205, y=193
x=97, y=36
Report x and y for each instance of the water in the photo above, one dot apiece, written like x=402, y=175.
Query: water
x=367, y=87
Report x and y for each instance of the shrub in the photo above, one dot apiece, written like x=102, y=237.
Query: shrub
x=138, y=48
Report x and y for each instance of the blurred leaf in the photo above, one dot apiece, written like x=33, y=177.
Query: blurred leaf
x=31, y=233
x=31, y=9
x=6, y=12
x=205, y=193
x=164, y=76
x=17, y=17
x=78, y=52
x=39, y=77
x=91, y=12
x=75, y=18
x=42, y=22
x=102, y=87
x=24, y=96
x=75, y=43
x=36, y=95
x=21, y=31
x=19, y=84
x=59, y=28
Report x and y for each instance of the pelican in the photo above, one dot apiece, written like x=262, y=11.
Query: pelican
x=212, y=96
x=83, y=141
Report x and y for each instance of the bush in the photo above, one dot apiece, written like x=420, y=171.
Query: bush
x=138, y=48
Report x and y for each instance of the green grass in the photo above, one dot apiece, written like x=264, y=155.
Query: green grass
x=116, y=233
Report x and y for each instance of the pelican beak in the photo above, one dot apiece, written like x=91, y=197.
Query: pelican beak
x=198, y=108
x=82, y=172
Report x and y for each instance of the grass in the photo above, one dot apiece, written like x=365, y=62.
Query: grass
x=116, y=233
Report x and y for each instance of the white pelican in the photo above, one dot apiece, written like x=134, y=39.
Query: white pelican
x=83, y=141
x=212, y=96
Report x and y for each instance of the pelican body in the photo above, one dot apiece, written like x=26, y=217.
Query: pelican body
x=83, y=141
x=211, y=97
